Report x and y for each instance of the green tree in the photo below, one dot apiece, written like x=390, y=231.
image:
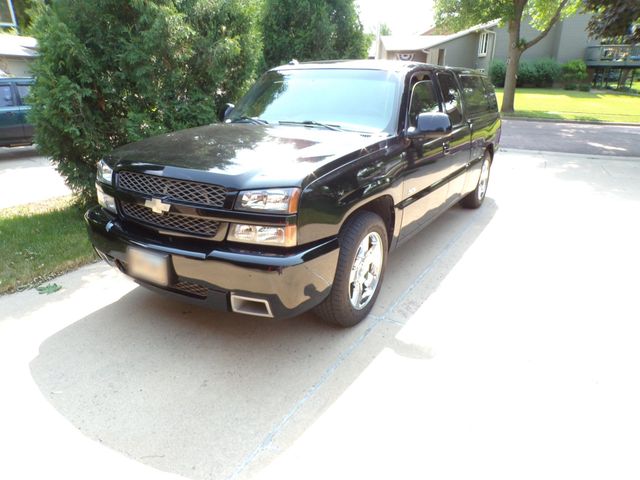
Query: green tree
x=111, y=72
x=22, y=9
x=614, y=19
x=543, y=14
x=311, y=30
x=385, y=29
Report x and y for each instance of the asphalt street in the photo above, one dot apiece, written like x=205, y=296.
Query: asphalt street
x=504, y=345
x=579, y=138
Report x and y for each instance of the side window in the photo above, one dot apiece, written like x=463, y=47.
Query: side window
x=473, y=91
x=423, y=100
x=451, y=97
x=6, y=98
x=490, y=93
x=23, y=92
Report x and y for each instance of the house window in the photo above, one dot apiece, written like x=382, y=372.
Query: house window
x=484, y=43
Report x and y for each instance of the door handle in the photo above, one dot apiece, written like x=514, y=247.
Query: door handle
x=445, y=148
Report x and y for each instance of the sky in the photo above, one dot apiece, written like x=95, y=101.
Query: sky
x=404, y=17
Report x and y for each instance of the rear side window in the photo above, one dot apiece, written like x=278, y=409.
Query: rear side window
x=451, y=97
x=423, y=100
x=490, y=93
x=475, y=95
x=23, y=92
x=6, y=98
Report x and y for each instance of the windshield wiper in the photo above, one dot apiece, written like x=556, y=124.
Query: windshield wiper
x=254, y=120
x=311, y=123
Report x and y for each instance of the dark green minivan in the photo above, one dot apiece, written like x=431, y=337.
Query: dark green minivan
x=14, y=128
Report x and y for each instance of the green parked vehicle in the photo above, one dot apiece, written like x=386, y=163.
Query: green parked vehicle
x=14, y=128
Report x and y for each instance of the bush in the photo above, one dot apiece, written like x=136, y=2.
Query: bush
x=497, y=72
x=574, y=74
x=111, y=72
x=547, y=71
x=538, y=73
x=526, y=74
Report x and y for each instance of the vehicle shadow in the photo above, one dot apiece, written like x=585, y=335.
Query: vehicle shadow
x=205, y=394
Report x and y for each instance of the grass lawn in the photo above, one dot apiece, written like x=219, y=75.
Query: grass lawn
x=574, y=105
x=39, y=241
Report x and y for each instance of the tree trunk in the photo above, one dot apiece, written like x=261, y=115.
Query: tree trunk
x=517, y=46
x=513, y=60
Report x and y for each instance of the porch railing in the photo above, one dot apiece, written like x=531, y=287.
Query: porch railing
x=614, y=54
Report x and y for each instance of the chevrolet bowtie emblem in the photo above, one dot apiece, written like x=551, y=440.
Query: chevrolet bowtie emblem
x=157, y=206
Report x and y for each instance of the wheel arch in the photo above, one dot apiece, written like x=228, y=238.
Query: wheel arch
x=384, y=207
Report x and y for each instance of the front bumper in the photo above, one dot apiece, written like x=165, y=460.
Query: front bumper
x=291, y=282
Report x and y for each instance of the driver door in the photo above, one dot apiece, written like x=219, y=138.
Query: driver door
x=424, y=190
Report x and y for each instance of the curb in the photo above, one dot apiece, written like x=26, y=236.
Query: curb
x=579, y=122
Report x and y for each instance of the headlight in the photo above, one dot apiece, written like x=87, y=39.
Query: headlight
x=105, y=172
x=263, y=235
x=275, y=200
x=106, y=201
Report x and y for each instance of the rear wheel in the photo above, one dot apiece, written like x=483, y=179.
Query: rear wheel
x=476, y=197
x=361, y=264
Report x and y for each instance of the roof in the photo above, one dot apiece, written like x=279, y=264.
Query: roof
x=6, y=79
x=387, y=65
x=399, y=43
x=404, y=43
x=400, y=66
x=17, y=46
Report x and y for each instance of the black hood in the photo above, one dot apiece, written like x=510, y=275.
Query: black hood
x=245, y=155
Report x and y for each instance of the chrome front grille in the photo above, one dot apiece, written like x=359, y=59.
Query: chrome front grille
x=170, y=221
x=172, y=189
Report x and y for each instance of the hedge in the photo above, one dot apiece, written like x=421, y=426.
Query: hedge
x=542, y=72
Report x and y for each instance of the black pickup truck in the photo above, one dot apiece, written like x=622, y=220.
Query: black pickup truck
x=296, y=198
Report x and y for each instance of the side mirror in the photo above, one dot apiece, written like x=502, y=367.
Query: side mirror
x=225, y=111
x=431, y=125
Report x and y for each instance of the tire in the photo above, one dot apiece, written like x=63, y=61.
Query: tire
x=475, y=198
x=351, y=300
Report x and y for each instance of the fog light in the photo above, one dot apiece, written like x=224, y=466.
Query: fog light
x=263, y=235
x=106, y=201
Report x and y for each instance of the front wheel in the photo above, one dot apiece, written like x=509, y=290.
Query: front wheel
x=361, y=264
x=476, y=197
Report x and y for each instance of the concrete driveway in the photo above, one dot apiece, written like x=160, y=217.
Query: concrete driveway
x=504, y=345
x=27, y=177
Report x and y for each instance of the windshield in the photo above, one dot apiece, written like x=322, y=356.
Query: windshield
x=361, y=100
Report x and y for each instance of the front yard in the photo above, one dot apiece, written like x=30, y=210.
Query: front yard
x=39, y=241
x=574, y=105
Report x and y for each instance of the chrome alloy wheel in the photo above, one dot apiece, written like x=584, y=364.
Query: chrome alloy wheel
x=365, y=271
x=484, y=179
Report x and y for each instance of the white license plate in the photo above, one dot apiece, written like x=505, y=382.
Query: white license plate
x=149, y=266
